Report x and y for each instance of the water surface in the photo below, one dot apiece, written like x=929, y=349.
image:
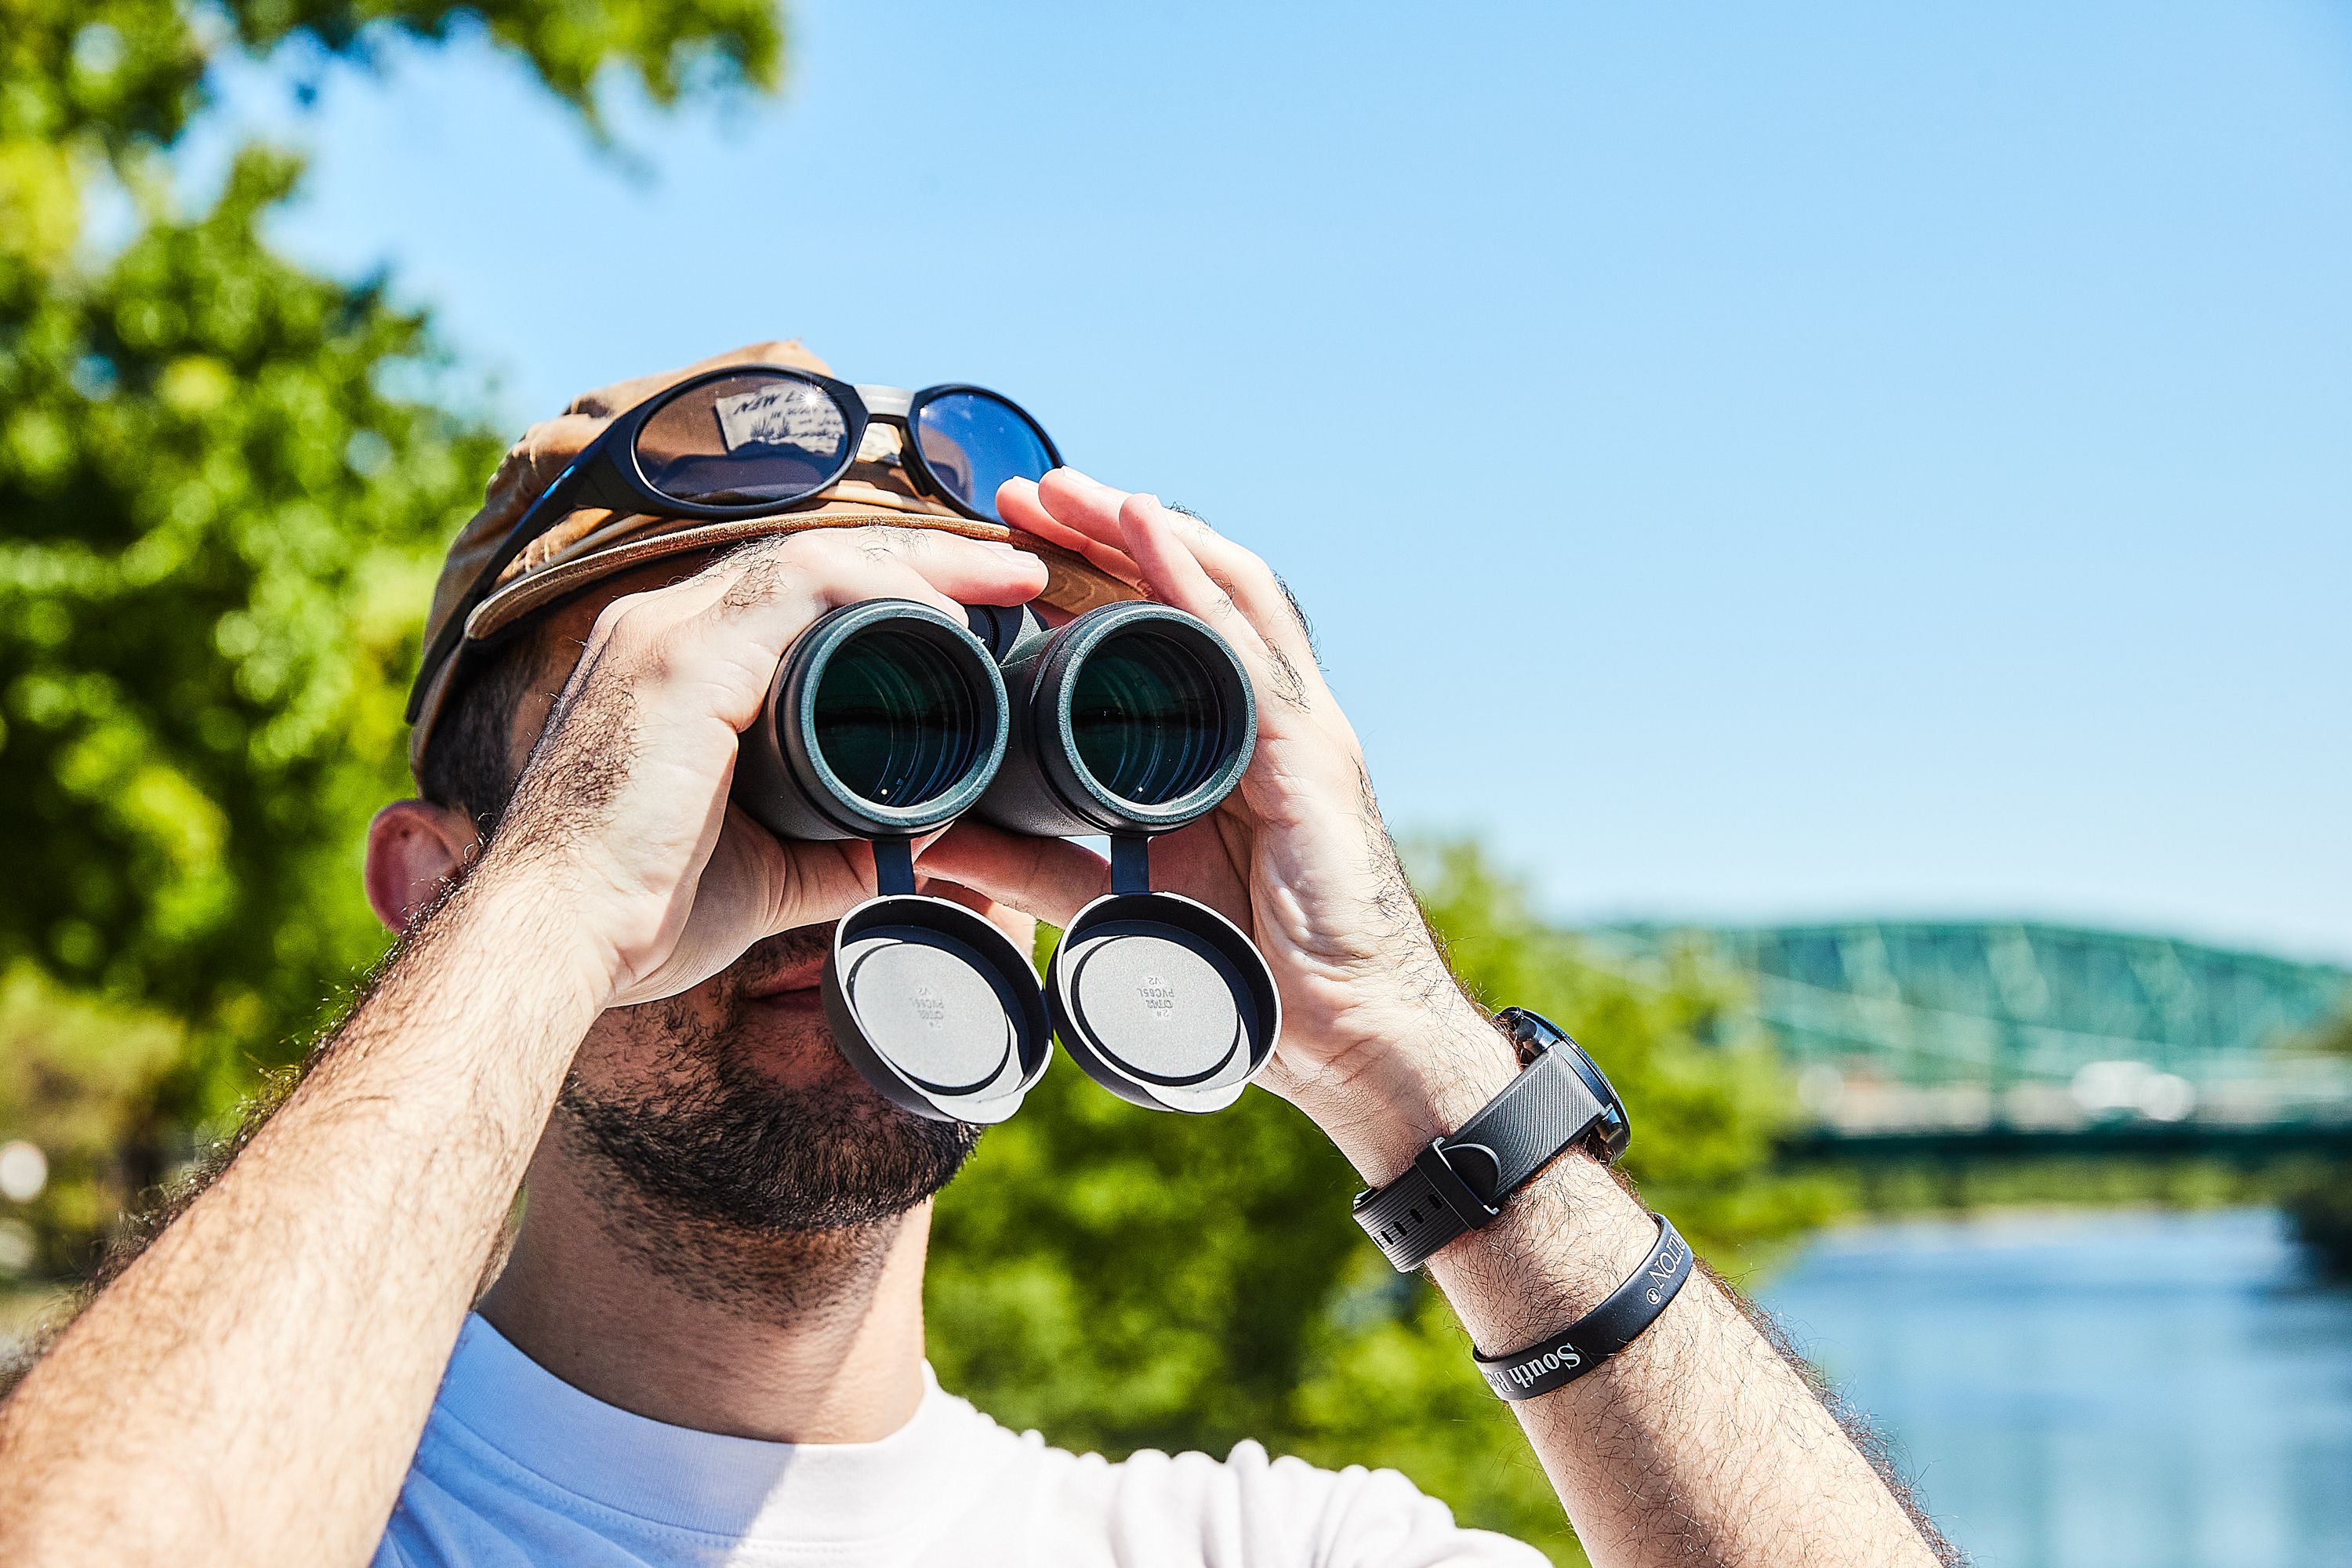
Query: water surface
x=2152, y=1390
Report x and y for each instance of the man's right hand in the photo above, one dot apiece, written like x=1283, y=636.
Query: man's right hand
x=623, y=807
x=252, y=1388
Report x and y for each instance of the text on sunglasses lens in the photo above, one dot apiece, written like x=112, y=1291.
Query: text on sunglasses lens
x=745, y=440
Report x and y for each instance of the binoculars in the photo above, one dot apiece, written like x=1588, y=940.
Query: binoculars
x=889, y=718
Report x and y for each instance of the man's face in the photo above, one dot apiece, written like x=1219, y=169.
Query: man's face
x=729, y=1104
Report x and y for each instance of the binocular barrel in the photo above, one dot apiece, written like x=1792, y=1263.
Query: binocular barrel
x=886, y=719
x=889, y=718
x=1135, y=717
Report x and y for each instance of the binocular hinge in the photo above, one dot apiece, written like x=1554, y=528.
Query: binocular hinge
x=1131, y=863
x=894, y=867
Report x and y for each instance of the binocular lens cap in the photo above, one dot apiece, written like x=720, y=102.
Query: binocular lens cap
x=936, y=1009
x=1164, y=1002
x=1170, y=1007
x=914, y=989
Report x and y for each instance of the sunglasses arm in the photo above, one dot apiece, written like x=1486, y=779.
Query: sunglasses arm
x=559, y=498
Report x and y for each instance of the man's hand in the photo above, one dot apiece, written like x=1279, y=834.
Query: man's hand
x=624, y=805
x=1377, y=1043
x=1699, y=1443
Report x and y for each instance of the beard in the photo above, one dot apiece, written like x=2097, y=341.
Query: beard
x=709, y=1139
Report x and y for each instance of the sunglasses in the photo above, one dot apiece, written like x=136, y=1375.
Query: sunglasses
x=752, y=439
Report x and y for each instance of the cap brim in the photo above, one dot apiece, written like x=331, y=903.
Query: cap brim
x=1072, y=583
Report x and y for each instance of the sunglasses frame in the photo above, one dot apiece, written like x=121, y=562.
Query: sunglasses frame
x=606, y=474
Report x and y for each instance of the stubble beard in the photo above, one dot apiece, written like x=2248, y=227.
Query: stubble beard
x=735, y=1185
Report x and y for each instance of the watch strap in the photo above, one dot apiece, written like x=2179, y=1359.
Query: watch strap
x=1458, y=1183
x=1599, y=1334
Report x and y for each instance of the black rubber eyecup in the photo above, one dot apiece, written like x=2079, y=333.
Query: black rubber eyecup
x=937, y=1008
x=1164, y=1002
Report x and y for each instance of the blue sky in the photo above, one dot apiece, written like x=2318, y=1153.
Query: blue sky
x=1746, y=462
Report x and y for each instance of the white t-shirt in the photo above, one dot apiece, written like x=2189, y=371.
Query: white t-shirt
x=517, y=1469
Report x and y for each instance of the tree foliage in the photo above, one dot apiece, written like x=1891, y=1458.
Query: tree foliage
x=219, y=515
x=219, y=526
x=77, y=1075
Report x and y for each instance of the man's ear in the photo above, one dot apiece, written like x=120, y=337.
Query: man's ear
x=415, y=848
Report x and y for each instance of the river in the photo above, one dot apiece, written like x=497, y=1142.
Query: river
x=2096, y=1389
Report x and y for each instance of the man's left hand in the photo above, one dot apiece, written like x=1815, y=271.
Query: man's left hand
x=1297, y=856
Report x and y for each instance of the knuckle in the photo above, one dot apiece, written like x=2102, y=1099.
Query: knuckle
x=631, y=633
x=776, y=547
x=640, y=654
x=755, y=585
x=545, y=437
x=653, y=662
x=822, y=551
x=615, y=618
x=878, y=542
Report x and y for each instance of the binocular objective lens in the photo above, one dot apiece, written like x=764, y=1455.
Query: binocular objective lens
x=1148, y=719
x=897, y=720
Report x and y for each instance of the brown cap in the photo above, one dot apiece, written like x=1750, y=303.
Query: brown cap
x=592, y=544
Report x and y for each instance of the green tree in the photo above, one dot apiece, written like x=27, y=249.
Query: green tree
x=219, y=518
x=1122, y=1279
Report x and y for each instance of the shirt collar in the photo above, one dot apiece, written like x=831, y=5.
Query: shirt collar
x=690, y=1479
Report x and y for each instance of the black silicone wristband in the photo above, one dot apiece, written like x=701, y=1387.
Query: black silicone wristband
x=1600, y=1333
x=1459, y=1183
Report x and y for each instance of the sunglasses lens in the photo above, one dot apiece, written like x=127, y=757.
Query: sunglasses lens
x=975, y=441
x=745, y=440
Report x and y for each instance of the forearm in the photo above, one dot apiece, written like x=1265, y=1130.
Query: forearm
x=250, y=1391
x=1698, y=1443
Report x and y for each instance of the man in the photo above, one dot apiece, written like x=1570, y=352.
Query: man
x=705, y=1343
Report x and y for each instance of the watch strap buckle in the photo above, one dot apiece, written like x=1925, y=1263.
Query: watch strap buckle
x=1435, y=1165
x=1459, y=1183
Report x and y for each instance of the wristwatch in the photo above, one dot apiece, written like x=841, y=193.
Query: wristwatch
x=1460, y=1183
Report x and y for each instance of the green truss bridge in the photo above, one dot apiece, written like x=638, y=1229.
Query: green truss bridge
x=1923, y=1038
